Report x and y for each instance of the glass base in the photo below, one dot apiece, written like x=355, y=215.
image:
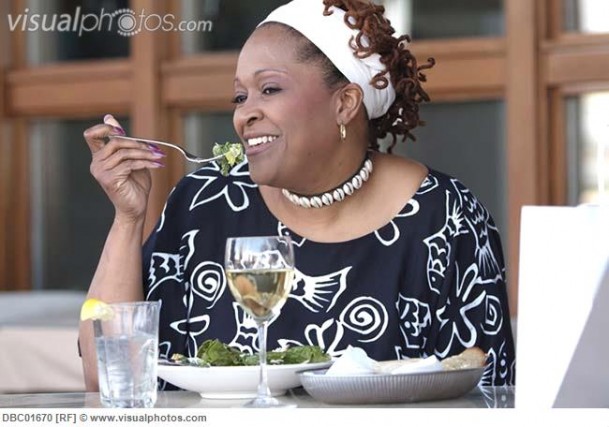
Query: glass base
x=267, y=402
x=128, y=403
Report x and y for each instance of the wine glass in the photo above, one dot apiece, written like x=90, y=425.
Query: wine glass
x=260, y=271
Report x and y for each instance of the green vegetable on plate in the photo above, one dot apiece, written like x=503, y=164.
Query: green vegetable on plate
x=216, y=353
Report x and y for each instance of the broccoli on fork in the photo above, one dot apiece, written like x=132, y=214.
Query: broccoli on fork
x=232, y=153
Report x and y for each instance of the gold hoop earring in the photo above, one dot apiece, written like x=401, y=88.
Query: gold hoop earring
x=343, y=132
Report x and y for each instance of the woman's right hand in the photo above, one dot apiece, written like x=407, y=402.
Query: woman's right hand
x=122, y=168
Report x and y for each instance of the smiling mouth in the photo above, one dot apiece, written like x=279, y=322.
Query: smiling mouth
x=260, y=140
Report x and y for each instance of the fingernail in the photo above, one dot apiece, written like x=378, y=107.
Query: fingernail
x=158, y=154
x=158, y=164
x=108, y=117
x=154, y=148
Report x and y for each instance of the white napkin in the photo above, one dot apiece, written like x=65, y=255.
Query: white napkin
x=355, y=361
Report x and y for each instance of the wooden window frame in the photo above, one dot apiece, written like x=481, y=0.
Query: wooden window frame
x=573, y=64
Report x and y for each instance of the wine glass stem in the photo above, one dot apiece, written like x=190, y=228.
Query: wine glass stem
x=263, y=387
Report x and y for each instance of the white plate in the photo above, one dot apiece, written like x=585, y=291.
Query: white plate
x=390, y=388
x=235, y=382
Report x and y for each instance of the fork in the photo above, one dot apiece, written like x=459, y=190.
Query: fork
x=188, y=156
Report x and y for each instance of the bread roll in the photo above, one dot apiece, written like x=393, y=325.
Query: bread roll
x=387, y=366
x=470, y=358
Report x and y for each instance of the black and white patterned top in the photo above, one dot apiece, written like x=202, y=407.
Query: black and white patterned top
x=431, y=281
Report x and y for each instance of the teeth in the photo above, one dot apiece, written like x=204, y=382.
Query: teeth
x=261, y=140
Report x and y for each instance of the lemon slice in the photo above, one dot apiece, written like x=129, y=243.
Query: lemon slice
x=96, y=310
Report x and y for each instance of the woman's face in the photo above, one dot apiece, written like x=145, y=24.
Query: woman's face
x=284, y=113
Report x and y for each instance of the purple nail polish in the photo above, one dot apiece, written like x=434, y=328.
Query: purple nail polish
x=120, y=130
x=155, y=149
x=158, y=164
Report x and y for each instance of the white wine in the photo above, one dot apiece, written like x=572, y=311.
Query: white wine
x=261, y=293
x=260, y=273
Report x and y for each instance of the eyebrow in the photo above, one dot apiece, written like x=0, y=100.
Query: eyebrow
x=266, y=70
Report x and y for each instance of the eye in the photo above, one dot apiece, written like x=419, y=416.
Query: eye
x=270, y=90
x=238, y=99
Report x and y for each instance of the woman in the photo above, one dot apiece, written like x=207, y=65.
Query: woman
x=393, y=257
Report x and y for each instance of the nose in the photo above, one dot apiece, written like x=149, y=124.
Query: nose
x=247, y=114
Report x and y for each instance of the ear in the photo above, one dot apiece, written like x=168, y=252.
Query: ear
x=349, y=99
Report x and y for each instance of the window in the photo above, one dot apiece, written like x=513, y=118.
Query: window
x=587, y=133
x=232, y=23
x=202, y=130
x=433, y=19
x=70, y=214
x=466, y=140
x=586, y=16
x=56, y=38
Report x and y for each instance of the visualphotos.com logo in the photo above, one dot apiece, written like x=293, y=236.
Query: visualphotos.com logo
x=125, y=22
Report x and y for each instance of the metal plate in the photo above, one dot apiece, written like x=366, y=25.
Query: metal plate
x=389, y=388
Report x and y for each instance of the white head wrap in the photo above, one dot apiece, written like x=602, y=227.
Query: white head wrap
x=332, y=36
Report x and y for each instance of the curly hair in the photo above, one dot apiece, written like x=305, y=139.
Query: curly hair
x=376, y=36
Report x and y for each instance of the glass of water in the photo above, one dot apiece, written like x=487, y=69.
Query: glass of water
x=127, y=354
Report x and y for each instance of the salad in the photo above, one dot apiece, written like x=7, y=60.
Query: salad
x=216, y=353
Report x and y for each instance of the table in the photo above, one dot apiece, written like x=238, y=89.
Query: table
x=480, y=397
